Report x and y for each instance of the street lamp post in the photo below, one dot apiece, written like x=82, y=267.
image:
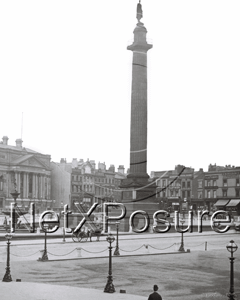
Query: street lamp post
x=181, y=248
x=116, y=252
x=109, y=288
x=231, y=247
x=7, y=277
x=14, y=194
x=44, y=254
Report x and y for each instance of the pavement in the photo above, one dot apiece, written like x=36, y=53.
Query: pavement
x=40, y=291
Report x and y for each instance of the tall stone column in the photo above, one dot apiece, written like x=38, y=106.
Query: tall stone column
x=138, y=134
x=137, y=185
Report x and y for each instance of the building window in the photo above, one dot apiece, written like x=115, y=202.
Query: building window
x=214, y=182
x=237, y=182
x=1, y=183
x=225, y=182
x=214, y=194
x=188, y=194
x=176, y=193
x=189, y=184
x=183, y=194
x=237, y=192
x=183, y=184
x=209, y=183
x=199, y=195
x=163, y=183
x=200, y=184
x=224, y=192
x=209, y=194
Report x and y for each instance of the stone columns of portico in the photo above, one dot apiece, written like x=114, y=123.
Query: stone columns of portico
x=49, y=187
x=41, y=186
x=21, y=185
x=38, y=184
x=8, y=181
x=27, y=185
x=33, y=186
x=24, y=185
x=36, y=192
x=44, y=187
x=19, y=181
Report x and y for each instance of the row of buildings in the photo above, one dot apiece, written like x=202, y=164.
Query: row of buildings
x=217, y=188
x=50, y=185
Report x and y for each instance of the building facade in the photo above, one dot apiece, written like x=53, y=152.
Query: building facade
x=198, y=189
x=82, y=182
x=29, y=172
x=223, y=183
x=174, y=187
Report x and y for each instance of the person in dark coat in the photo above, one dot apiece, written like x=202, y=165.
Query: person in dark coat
x=155, y=295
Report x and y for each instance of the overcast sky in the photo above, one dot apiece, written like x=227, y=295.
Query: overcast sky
x=64, y=66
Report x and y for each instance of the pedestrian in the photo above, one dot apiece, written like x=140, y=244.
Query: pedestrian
x=5, y=222
x=89, y=233
x=155, y=295
x=18, y=223
x=98, y=233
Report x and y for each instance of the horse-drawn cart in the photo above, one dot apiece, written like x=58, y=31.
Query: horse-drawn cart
x=83, y=236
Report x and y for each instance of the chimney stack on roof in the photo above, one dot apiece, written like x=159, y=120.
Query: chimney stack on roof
x=74, y=163
x=5, y=140
x=19, y=143
x=121, y=169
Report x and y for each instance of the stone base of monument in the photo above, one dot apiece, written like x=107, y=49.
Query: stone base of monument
x=138, y=194
x=138, y=221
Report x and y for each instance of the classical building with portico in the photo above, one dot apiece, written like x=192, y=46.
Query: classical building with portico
x=29, y=172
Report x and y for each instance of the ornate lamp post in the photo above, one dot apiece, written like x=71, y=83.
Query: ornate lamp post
x=231, y=247
x=14, y=194
x=116, y=252
x=44, y=254
x=181, y=248
x=7, y=277
x=109, y=288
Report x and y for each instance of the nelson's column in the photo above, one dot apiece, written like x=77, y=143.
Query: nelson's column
x=138, y=192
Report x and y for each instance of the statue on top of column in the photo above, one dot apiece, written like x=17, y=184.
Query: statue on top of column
x=139, y=11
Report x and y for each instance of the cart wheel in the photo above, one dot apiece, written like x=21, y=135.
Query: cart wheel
x=83, y=237
x=75, y=237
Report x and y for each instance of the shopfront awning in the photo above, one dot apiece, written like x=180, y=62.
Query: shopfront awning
x=233, y=203
x=222, y=202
